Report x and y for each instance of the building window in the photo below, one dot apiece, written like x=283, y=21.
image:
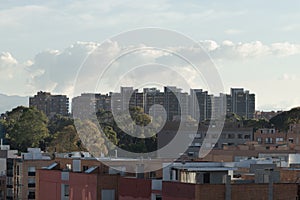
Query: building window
x=65, y=191
x=206, y=178
x=65, y=176
x=269, y=140
x=230, y=136
x=190, y=153
x=291, y=140
x=197, y=144
x=31, y=171
x=259, y=140
x=31, y=195
x=84, y=168
x=31, y=182
x=108, y=194
x=279, y=139
x=152, y=174
x=247, y=137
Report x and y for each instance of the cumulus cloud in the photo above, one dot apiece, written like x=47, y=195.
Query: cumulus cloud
x=85, y=63
x=285, y=49
x=56, y=70
x=248, y=50
x=7, y=60
x=13, y=75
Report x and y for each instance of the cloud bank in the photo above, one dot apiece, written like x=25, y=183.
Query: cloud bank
x=55, y=71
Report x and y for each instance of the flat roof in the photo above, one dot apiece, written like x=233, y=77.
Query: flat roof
x=207, y=169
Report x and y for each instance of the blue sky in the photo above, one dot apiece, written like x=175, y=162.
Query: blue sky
x=255, y=44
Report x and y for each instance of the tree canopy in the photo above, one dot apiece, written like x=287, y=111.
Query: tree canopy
x=25, y=127
x=284, y=119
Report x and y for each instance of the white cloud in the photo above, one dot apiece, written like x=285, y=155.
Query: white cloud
x=209, y=45
x=249, y=50
x=13, y=75
x=56, y=71
x=7, y=60
x=285, y=49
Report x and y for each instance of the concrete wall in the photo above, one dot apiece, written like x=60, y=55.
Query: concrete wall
x=265, y=176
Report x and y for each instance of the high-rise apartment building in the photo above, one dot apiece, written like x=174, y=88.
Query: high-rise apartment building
x=243, y=103
x=125, y=99
x=50, y=104
x=198, y=104
x=89, y=103
x=153, y=96
x=176, y=102
x=203, y=106
x=172, y=101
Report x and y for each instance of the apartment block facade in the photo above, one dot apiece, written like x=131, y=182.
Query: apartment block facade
x=172, y=101
x=50, y=104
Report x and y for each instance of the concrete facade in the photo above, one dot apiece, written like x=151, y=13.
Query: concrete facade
x=50, y=104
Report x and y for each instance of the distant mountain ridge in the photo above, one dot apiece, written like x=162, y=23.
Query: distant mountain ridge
x=9, y=102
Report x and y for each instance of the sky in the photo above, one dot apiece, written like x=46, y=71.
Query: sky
x=253, y=44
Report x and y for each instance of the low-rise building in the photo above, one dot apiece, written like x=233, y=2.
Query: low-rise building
x=21, y=174
x=231, y=135
x=293, y=136
x=183, y=191
x=269, y=137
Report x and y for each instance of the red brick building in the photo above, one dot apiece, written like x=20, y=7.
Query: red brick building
x=269, y=137
x=183, y=191
x=57, y=184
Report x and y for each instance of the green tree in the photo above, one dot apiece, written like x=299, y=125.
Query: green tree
x=58, y=123
x=91, y=137
x=284, y=119
x=124, y=140
x=66, y=140
x=26, y=127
